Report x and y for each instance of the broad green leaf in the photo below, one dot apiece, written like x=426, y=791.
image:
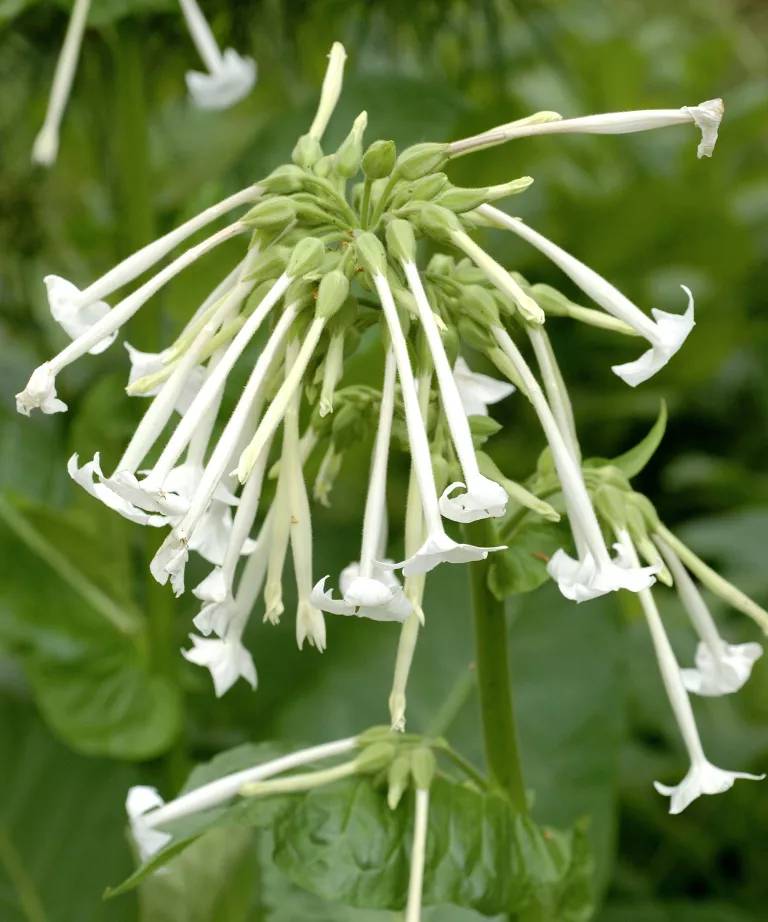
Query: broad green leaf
x=61, y=826
x=65, y=588
x=522, y=567
x=344, y=843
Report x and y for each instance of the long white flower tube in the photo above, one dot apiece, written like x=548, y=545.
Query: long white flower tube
x=703, y=777
x=230, y=76
x=706, y=116
x=40, y=392
x=330, y=91
x=46, y=146
x=369, y=589
x=721, y=668
x=438, y=547
x=481, y=497
x=594, y=573
x=666, y=333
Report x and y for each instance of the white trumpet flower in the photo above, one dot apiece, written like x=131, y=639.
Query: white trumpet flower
x=46, y=146
x=706, y=116
x=74, y=320
x=721, y=668
x=224, y=657
x=666, y=333
x=438, y=547
x=142, y=799
x=481, y=497
x=230, y=76
x=702, y=777
x=478, y=391
x=594, y=573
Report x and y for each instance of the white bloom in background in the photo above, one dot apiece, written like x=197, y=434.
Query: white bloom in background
x=46, y=146
x=230, y=76
x=666, y=333
x=702, y=777
x=142, y=799
x=225, y=658
x=144, y=364
x=40, y=393
x=478, y=391
x=75, y=318
x=721, y=668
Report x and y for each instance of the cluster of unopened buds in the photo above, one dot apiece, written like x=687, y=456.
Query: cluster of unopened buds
x=330, y=266
x=227, y=78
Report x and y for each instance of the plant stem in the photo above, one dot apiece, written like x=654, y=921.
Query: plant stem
x=493, y=681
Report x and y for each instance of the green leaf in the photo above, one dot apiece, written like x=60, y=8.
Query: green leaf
x=61, y=818
x=522, y=567
x=344, y=843
x=65, y=590
x=244, y=813
x=634, y=460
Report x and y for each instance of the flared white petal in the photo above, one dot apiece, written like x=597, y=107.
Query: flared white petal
x=703, y=778
x=439, y=549
x=707, y=116
x=213, y=588
x=92, y=480
x=40, y=393
x=72, y=315
x=478, y=391
x=310, y=626
x=583, y=579
x=323, y=599
x=150, y=363
x=231, y=80
x=140, y=800
x=671, y=332
x=226, y=659
x=482, y=498
x=170, y=561
x=723, y=673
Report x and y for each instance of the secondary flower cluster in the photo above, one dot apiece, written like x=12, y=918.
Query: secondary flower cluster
x=331, y=265
x=227, y=77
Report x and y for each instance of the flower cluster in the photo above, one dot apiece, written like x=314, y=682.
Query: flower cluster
x=331, y=258
x=227, y=77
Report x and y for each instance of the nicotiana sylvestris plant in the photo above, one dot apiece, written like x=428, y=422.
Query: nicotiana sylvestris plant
x=227, y=78
x=331, y=254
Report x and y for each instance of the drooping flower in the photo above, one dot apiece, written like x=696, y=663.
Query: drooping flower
x=478, y=391
x=141, y=800
x=225, y=658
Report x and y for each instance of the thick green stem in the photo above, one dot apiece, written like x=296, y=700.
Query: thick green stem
x=493, y=680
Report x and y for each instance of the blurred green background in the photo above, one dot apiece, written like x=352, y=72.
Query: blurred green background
x=93, y=694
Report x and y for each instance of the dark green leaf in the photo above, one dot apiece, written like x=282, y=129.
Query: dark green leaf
x=634, y=460
x=522, y=567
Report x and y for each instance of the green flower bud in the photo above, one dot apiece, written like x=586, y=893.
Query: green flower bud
x=474, y=335
x=306, y=256
x=307, y=152
x=331, y=294
x=440, y=264
x=423, y=767
x=375, y=757
x=285, y=179
x=482, y=428
x=268, y=265
x=371, y=253
x=379, y=159
x=612, y=505
x=324, y=166
x=270, y=213
x=350, y=152
x=459, y=200
x=437, y=222
x=397, y=780
x=442, y=472
x=421, y=159
x=513, y=187
x=401, y=241
x=480, y=304
x=299, y=291
x=377, y=734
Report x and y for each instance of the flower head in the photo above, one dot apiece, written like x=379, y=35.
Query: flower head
x=140, y=800
x=225, y=658
x=702, y=778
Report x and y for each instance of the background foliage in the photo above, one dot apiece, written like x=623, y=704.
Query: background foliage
x=93, y=694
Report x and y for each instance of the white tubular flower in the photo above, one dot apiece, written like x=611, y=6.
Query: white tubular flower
x=478, y=391
x=703, y=777
x=721, y=668
x=46, y=146
x=594, y=573
x=142, y=260
x=144, y=364
x=141, y=800
x=369, y=588
x=40, y=393
x=706, y=116
x=438, y=547
x=225, y=658
x=330, y=91
x=41, y=386
x=91, y=478
x=666, y=333
x=74, y=320
x=481, y=498
x=230, y=76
